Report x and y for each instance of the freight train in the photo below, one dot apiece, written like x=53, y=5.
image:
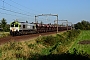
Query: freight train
x=19, y=28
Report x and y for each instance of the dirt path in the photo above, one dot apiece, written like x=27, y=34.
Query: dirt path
x=84, y=42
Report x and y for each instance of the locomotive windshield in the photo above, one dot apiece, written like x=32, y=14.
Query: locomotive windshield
x=14, y=24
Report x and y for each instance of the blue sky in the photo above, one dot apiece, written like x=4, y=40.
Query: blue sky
x=72, y=10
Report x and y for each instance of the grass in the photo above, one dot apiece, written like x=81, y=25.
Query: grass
x=19, y=50
x=42, y=46
x=85, y=35
x=4, y=34
x=22, y=50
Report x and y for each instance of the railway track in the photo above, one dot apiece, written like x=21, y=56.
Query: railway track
x=23, y=37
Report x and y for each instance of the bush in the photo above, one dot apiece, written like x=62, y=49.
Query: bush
x=61, y=38
x=65, y=38
x=72, y=34
x=48, y=40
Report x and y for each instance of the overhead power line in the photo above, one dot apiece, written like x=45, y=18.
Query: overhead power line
x=9, y=10
x=8, y=14
x=24, y=6
x=14, y=7
x=11, y=15
x=14, y=11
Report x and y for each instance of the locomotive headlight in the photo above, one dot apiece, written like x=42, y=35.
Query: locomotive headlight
x=13, y=29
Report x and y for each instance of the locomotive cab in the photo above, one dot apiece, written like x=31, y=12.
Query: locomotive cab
x=14, y=28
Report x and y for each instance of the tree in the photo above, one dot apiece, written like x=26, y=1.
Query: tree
x=3, y=24
x=83, y=25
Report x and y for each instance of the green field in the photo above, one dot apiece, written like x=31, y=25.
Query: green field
x=85, y=35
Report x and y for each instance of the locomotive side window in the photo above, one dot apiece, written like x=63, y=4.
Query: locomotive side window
x=19, y=25
x=23, y=26
x=33, y=27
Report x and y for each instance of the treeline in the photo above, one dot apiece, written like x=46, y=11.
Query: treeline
x=4, y=26
x=83, y=25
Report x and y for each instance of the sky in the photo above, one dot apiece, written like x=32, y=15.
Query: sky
x=72, y=10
